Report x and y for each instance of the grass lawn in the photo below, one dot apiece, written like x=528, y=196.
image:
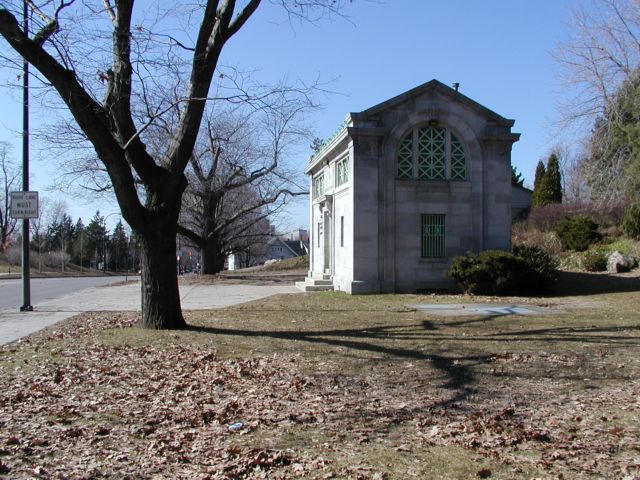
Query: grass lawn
x=331, y=386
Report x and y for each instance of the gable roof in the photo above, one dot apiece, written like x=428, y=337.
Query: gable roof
x=292, y=245
x=441, y=88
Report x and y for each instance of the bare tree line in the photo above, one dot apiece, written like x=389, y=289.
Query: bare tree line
x=600, y=62
x=119, y=71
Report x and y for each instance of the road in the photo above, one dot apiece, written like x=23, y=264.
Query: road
x=78, y=295
x=44, y=289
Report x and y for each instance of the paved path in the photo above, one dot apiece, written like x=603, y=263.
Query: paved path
x=49, y=288
x=15, y=324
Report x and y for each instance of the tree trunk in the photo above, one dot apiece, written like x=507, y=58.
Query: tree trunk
x=160, y=295
x=211, y=257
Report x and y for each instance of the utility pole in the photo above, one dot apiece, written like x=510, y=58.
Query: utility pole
x=81, y=248
x=26, y=280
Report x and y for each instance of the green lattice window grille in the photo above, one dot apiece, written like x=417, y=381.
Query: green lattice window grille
x=405, y=157
x=342, y=171
x=458, y=161
x=432, y=236
x=318, y=186
x=432, y=153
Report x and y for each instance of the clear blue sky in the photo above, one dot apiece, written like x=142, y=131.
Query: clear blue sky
x=499, y=52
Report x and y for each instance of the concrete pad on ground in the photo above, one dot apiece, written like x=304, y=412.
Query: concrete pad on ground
x=15, y=325
x=457, y=309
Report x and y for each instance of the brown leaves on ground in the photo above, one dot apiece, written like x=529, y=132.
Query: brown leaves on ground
x=79, y=402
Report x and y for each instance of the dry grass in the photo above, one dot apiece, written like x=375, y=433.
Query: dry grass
x=296, y=263
x=336, y=386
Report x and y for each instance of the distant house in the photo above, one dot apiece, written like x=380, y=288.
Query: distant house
x=280, y=247
x=287, y=246
x=406, y=185
x=520, y=202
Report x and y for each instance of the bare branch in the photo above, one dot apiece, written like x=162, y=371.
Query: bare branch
x=110, y=11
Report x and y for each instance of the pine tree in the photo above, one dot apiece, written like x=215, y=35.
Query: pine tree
x=537, y=185
x=95, y=234
x=79, y=248
x=547, y=188
x=612, y=171
x=516, y=177
x=553, y=180
x=118, y=248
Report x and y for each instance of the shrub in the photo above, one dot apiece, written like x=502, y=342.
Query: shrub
x=631, y=221
x=595, y=261
x=577, y=233
x=491, y=272
x=542, y=268
x=547, y=241
x=545, y=218
x=495, y=272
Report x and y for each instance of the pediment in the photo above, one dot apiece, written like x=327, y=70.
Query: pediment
x=437, y=87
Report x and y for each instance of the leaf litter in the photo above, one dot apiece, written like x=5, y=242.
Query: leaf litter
x=90, y=408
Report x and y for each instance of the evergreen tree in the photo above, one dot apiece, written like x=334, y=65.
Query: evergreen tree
x=60, y=233
x=612, y=171
x=553, y=180
x=118, y=248
x=95, y=235
x=537, y=185
x=79, y=251
x=547, y=188
x=516, y=177
x=133, y=253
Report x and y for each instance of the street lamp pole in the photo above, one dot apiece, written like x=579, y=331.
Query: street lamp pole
x=104, y=247
x=26, y=280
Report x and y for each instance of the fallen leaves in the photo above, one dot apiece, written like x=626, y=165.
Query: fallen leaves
x=93, y=408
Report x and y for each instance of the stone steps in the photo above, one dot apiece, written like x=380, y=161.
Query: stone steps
x=316, y=283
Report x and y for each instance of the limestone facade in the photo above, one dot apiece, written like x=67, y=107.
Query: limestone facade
x=405, y=186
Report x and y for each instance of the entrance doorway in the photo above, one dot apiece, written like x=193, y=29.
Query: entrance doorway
x=327, y=242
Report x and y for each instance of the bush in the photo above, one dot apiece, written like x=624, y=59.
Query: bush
x=494, y=272
x=595, y=261
x=542, y=267
x=547, y=241
x=491, y=272
x=545, y=218
x=631, y=222
x=577, y=233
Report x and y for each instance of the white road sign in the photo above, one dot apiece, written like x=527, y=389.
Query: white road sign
x=24, y=204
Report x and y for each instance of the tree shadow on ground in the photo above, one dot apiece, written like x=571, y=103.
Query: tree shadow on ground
x=459, y=376
x=577, y=283
x=458, y=370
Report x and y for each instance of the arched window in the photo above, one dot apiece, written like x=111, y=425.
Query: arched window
x=431, y=152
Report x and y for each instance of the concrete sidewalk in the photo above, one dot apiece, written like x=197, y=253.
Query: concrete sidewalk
x=15, y=324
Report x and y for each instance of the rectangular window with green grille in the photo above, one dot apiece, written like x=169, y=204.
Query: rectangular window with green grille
x=432, y=236
x=318, y=186
x=342, y=171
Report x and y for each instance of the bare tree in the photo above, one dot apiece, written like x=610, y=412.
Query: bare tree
x=601, y=54
x=571, y=161
x=9, y=178
x=238, y=176
x=38, y=228
x=601, y=64
x=58, y=226
x=126, y=58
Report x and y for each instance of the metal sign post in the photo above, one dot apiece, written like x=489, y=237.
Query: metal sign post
x=26, y=282
x=24, y=205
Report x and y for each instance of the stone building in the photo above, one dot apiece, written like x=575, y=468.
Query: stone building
x=405, y=186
